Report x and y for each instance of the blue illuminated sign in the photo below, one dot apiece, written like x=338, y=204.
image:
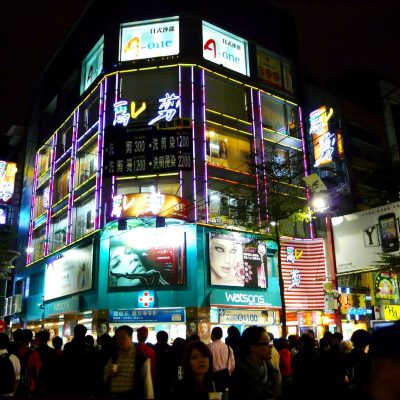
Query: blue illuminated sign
x=150, y=315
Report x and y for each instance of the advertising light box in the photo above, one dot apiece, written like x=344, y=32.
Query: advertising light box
x=92, y=65
x=360, y=237
x=236, y=260
x=7, y=179
x=145, y=257
x=70, y=272
x=149, y=39
x=226, y=49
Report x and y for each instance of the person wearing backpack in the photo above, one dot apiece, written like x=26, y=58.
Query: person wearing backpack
x=10, y=368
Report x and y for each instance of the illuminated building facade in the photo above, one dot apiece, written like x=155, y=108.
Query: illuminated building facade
x=139, y=190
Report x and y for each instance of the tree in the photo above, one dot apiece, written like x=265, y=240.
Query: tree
x=388, y=262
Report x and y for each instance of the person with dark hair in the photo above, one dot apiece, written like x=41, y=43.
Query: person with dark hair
x=47, y=357
x=30, y=365
x=285, y=365
x=78, y=358
x=232, y=340
x=308, y=370
x=223, y=359
x=254, y=376
x=105, y=350
x=10, y=368
x=197, y=380
x=164, y=373
x=293, y=344
x=128, y=371
x=178, y=349
x=204, y=333
x=143, y=347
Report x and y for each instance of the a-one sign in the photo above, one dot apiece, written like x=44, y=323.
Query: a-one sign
x=138, y=315
x=150, y=205
x=149, y=39
x=361, y=236
x=7, y=179
x=304, y=271
x=70, y=272
x=224, y=48
x=143, y=149
x=324, y=142
x=92, y=65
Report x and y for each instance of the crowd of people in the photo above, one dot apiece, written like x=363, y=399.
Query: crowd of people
x=252, y=365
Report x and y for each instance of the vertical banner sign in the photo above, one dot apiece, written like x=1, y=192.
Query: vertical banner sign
x=226, y=49
x=304, y=272
x=269, y=69
x=324, y=142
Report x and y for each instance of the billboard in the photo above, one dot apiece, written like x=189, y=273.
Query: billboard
x=144, y=257
x=150, y=205
x=360, y=237
x=70, y=272
x=226, y=49
x=92, y=65
x=149, y=39
x=237, y=260
x=7, y=179
x=304, y=273
x=143, y=149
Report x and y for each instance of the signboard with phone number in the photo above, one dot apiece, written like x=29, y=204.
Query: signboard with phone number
x=143, y=149
x=231, y=316
x=150, y=315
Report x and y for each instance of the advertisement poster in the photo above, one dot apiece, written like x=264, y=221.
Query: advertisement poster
x=146, y=257
x=70, y=272
x=149, y=39
x=226, y=49
x=92, y=65
x=7, y=179
x=360, y=237
x=385, y=286
x=269, y=68
x=304, y=273
x=236, y=260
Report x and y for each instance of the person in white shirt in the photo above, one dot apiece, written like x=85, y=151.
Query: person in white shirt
x=4, y=341
x=223, y=356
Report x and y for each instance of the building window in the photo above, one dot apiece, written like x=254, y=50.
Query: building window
x=165, y=186
x=87, y=164
x=59, y=226
x=227, y=149
x=83, y=221
x=61, y=184
x=44, y=159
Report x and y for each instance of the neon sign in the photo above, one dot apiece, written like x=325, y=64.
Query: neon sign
x=295, y=278
x=149, y=39
x=224, y=48
x=168, y=107
x=323, y=141
x=7, y=179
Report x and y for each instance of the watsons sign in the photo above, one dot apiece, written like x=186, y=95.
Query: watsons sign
x=245, y=298
x=149, y=39
x=224, y=48
x=248, y=299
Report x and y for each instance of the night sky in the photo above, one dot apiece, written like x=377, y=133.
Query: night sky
x=334, y=36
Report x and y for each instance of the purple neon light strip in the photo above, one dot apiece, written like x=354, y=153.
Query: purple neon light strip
x=255, y=155
x=194, y=143
x=180, y=116
x=306, y=168
x=33, y=203
x=204, y=155
x=262, y=150
x=72, y=177
x=99, y=172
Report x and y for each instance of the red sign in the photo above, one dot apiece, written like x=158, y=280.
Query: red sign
x=304, y=273
x=2, y=326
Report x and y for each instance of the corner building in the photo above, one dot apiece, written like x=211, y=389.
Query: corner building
x=146, y=122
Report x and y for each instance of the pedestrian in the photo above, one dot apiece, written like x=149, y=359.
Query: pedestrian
x=10, y=368
x=197, y=381
x=232, y=340
x=47, y=356
x=164, y=373
x=285, y=366
x=143, y=347
x=128, y=372
x=223, y=360
x=254, y=376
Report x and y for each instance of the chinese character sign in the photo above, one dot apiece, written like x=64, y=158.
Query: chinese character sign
x=303, y=271
x=169, y=105
x=7, y=179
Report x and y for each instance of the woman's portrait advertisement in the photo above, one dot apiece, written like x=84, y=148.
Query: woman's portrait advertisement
x=236, y=260
x=147, y=257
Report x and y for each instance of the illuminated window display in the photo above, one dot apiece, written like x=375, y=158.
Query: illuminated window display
x=44, y=161
x=162, y=185
x=64, y=138
x=89, y=113
x=61, y=184
x=226, y=149
x=41, y=201
x=83, y=220
x=38, y=241
x=58, y=232
x=273, y=115
x=86, y=164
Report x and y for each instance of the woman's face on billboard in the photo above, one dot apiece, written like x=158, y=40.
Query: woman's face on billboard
x=124, y=260
x=223, y=260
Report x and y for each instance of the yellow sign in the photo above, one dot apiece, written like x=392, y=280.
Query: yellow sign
x=351, y=301
x=7, y=179
x=269, y=69
x=391, y=313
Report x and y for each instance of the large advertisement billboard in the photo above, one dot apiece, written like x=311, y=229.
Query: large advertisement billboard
x=149, y=39
x=147, y=257
x=92, y=65
x=70, y=272
x=224, y=48
x=237, y=260
x=360, y=237
x=304, y=273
